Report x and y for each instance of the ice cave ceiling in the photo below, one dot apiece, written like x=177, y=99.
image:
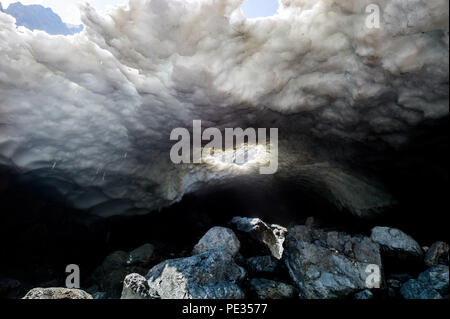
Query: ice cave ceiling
x=90, y=115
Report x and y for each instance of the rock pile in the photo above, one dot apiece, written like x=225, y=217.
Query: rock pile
x=305, y=262
x=109, y=276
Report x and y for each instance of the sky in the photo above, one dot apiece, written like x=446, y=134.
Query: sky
x=68, y=9
x=259, y=8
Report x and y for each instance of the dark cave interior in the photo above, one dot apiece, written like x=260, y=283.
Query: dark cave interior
x=40, y=235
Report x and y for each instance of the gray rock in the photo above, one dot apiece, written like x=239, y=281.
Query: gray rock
x=393, y=287
x=414, y=289
x=431, y=284
x=393, y=283
x=210, y=275
x=110, y=274
x=392, y=292
x=269, y=289
x=136, y=286
x=9, y=287
x=57, y=293
x=401, y=277
x=261, y=264
x=272, y=236
x=364, y=295
x=312, y=222
x=142, y=255
x=326, y=265
x=218, y=238
x=437, y=254
x=92, y=289
x=395, y=243
x=100, y=295
x=240, y=260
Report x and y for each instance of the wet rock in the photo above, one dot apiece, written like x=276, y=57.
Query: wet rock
x=395, y=243
x=57, y=293
x=431, y=284
x=240, y=260
x=218, y=238
x=136, y=286
x=142, y=255
x=272, y=236
x=100, y=295
x=312, y=222
x=401, y=277
x=393, y=283
x=392, y=292
x=96, y=293
x=211, y=275
x=261, y=264
x=437, y=254
x=9, y=287
x=110, y=274
x=364, y=295
x=393, y=287
x=326, y=265
x=269, y=289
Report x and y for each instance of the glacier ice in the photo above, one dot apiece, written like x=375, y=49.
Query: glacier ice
x=92, y=113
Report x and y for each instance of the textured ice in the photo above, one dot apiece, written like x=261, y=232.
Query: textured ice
x=95, y=110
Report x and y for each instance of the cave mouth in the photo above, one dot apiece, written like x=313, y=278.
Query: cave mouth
x=40, y=235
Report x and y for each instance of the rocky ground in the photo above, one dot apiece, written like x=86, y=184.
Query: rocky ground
x=252, y=259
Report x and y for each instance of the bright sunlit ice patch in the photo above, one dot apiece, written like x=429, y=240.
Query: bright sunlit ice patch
x=253, y=156
x=259, y=8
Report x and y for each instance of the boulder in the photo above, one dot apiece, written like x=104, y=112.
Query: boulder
x=100, y=295
x=57, y=293
x=261, y=264
x=431, y=284
x=136, y=286
x=209, y=275
x=272, y=236
x=395, y=243
x=364, y=295
x=9, y=287
x=437, y=254
x=142, y=255
x=218, y=238
x=402, y=278
x=326, y=265
x=269, y=289
x=394, y=284
x=110, y=274
x=312, y=222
